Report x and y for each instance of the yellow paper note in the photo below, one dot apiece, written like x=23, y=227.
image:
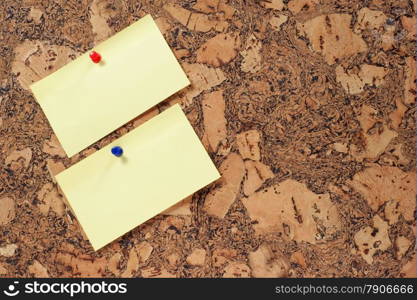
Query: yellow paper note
x=163, y=163
x=84, y=101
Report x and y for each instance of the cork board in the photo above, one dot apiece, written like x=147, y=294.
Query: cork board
x=307, y=107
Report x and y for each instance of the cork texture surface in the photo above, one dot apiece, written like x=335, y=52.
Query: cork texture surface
x=307, y=107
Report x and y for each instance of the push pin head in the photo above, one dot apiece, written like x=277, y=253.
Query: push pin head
x=117, y=151
x=95, y=57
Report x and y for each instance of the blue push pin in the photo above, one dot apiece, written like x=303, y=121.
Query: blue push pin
x=117, y=151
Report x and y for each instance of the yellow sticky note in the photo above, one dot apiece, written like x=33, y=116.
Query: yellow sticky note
x=163, y=162
x=84, y=101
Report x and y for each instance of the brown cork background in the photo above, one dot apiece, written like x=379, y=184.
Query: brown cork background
x=307, y=107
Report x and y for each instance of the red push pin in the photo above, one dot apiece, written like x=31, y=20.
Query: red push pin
x=95, y=57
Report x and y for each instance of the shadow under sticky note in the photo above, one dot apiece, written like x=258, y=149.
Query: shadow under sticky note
x=84, y=101
x=163, y=162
